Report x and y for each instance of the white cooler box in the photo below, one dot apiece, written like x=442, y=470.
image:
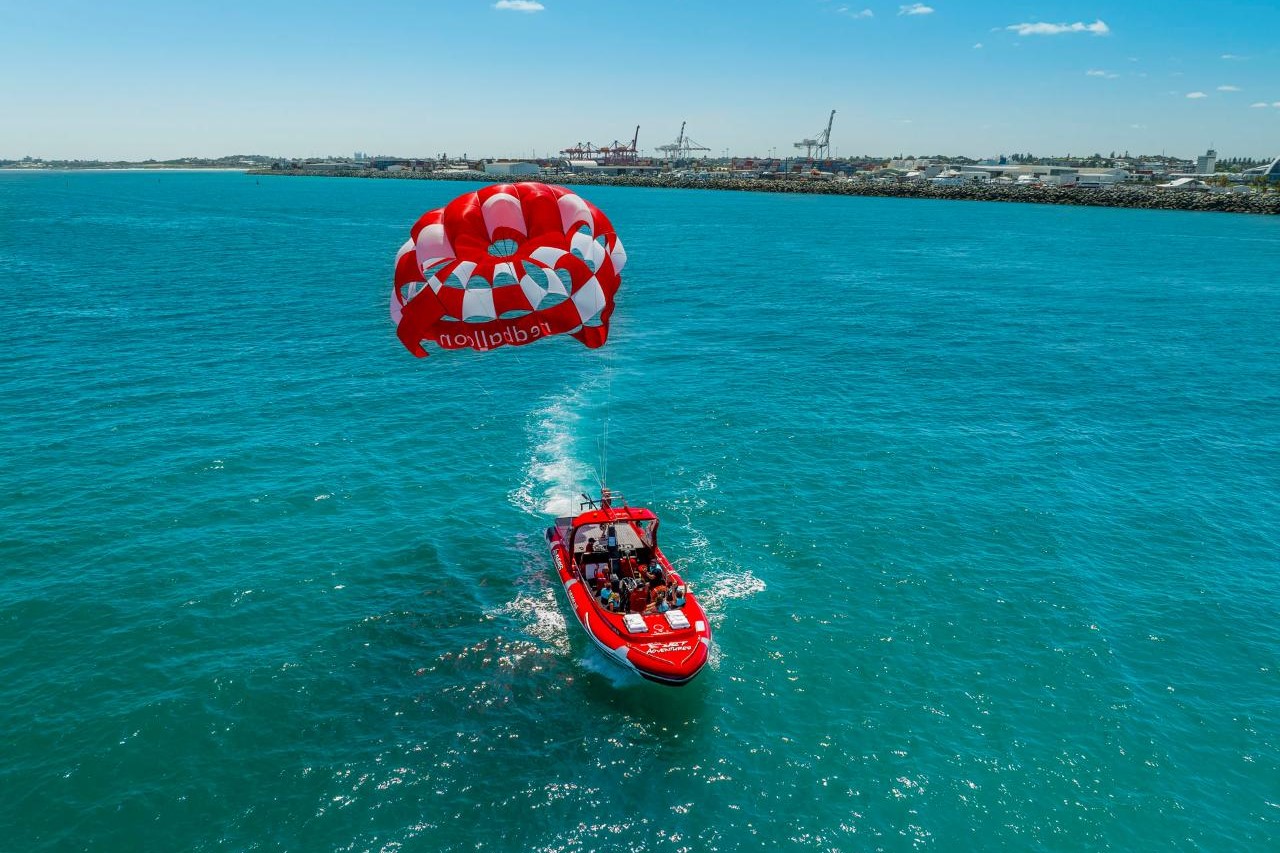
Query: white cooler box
x=677, y=620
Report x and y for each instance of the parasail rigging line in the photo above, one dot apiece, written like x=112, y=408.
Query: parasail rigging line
x=602, y=471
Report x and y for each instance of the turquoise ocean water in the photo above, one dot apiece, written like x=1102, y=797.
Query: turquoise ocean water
x=983, y=498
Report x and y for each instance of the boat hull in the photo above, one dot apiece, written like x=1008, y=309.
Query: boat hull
x=660, y=653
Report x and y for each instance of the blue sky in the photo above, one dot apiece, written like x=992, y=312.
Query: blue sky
x=150, y=79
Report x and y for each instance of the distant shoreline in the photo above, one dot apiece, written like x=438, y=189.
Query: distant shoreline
x=24, y=169
x=1137, y=197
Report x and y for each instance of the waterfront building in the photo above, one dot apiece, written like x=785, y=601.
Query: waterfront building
x=513, y=168
x=592, y=167
x=1269, y=173
x=1185, y=185
x=1207, y=163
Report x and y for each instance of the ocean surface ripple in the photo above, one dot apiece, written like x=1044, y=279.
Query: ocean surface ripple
x=983, y=499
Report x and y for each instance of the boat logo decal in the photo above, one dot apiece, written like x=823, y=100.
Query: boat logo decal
x=662, y=648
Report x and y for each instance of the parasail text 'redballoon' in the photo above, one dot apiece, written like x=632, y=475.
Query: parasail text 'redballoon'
x=507, y=265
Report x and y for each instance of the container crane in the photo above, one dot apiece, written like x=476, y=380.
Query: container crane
x=820, y=146
x=614, y=153
x=683, y=147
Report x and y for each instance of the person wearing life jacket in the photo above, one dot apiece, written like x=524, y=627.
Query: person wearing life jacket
x=638, y=600
x=658, y=600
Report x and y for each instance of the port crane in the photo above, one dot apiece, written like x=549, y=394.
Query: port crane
x=623, y=153
x=683, y=147
x=615, y=153
x=821, y=147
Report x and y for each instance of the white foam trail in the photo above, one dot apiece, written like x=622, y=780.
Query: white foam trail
x=715, y=576
x=539, y=616
x=554, y=476
x=595, y=661
x=718, y=588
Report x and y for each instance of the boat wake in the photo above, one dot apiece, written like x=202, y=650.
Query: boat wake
x=716, y=576
x=535, y=609
x=554, y=475
x=594, y=661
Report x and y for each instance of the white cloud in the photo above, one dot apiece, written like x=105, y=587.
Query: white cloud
x=1260, y=105
x=1228, y=88
x=865, y=13
x=1230, y=56
x=519, y=6
x=1276, y=104
x=1195, y=96
x=978, y=46
x=1098, y=28
x=915, y=9
x=1097, y=72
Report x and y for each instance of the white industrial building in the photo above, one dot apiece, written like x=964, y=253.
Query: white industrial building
x=513, y=167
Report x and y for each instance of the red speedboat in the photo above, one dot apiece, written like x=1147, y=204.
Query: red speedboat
x=652, y=624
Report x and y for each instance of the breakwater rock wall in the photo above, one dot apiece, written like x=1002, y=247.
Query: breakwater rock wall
x=1119, y=196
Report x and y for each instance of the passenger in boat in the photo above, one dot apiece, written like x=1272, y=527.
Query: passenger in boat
x=606, y=596
x=658, y=600
x=638, y=600
x=615, y=583
x=656, y=578
x=678, y=598
x=629, y=567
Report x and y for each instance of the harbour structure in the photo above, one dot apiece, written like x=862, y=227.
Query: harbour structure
x=613, y=154
x=819, y=148
x=683, y=148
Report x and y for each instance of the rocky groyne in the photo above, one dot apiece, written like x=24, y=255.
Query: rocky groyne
x=1144, y=197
